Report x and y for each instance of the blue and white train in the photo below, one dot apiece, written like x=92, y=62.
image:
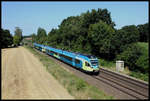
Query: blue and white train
x=87, y=63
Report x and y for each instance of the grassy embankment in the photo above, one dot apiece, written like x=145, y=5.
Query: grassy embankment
x=76, y=86
x=112, y=65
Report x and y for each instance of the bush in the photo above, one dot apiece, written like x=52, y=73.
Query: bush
x=142, y=63
x=130, y=56
x=106, y=63
x=135, y=57
x=80, y=85
x=143, y=60
x=140, y=75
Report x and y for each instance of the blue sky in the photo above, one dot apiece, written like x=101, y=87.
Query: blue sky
x=29, y=16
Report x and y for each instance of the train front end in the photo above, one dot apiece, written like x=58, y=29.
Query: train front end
x=94, y=65
x=90, y=64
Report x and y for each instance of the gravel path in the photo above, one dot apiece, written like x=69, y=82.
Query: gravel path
x=24, y=77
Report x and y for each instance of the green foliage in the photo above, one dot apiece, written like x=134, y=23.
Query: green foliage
x=80, y=85
x=144, y=32
x=72, y=33
x=95, y=16
x=33, y=37
x=130, y=55
x=6, y=38
x=143, y=61
x=106, y=63
x=18, y=32
x=136, y=57
x=123, y=37
x=132, y=34
x=93, y=33
x=100, y=35
x=16, y=40
x=140, y=75
x=41, y=36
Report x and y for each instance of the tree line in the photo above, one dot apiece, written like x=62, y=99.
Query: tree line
x=93, y=33
x=8, y=39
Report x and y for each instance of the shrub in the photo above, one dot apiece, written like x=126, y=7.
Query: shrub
x=80, y=85
x=136, y=57
x=142, y=63
x=143, y=60
x=130, y=56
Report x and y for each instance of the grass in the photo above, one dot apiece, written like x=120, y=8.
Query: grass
x=112, y=66
x=143, y=45
x=140, y=76
x=76, y=86
x=105, y=63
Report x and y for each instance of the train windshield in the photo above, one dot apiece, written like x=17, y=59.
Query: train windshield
x=87, y=64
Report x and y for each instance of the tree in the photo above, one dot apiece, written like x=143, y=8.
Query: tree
x=143, y=31
x=130, y=56
x=95, y=16
x=41, y=35
x=123, y=37
x=18, y=32
x=18, y=36
x=136, y=57
x=132, y=33
x=33, y=37
x=72, y=33
x=16, y=40
x=7, y=38
x=100, y=36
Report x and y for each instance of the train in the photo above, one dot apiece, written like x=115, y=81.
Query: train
x=84, y=62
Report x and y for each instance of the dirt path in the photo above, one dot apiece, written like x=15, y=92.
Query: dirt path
x=24, y=77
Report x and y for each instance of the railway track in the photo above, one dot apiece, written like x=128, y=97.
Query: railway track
x=115, y=84
x=135, y=88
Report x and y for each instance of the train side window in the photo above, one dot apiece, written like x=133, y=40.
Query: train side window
x=77, y=61
x=87, y=64
x=49, y=51
x=67, y=57
x=54, y=52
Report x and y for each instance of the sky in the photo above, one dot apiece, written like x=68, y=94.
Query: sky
x=29, y=16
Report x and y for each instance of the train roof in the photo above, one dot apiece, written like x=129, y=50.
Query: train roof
x=70, y=54
x=38, y=44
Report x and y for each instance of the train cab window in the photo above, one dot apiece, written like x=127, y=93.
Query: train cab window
x=87, y=64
